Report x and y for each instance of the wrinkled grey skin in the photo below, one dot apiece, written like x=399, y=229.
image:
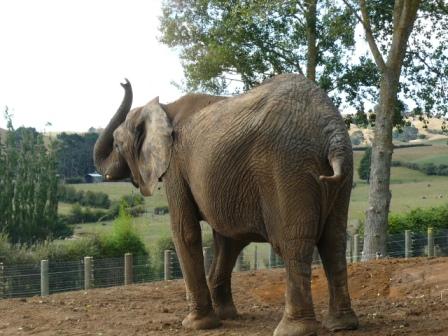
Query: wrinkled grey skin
x=271, y=165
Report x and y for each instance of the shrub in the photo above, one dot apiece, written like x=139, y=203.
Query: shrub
x=69, y=194
x=123, y=238
x=364, y=165
x=406, y=134
x=74, y=180
x=418, y=220
x=357, y=138
x=427, y=168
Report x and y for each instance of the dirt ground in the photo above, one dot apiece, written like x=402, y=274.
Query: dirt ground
x=394, y=297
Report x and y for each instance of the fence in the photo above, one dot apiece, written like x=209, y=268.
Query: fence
x=52, y=277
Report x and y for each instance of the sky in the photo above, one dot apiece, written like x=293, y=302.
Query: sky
x=61, y=62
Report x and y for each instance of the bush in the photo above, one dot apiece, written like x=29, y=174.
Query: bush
x=123, y=238
x=418, y=220
x=84, y=215
x=364, y=165
x=357, y=138
x=427, y=168
x=74, y=180
x=406, y=134
x=57, y=250
x=69, y=194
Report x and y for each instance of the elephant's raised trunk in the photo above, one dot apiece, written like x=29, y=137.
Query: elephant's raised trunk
x=106, y=159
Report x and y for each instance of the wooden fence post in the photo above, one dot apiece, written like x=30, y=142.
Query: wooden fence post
x=239, y=262
x=430, y=243
x=167, y=261
x=355, y=247
x=272, y=257
x=255, y=257
x=128, y=269
x=44, y=283
x=88, y=272
x=407, y=244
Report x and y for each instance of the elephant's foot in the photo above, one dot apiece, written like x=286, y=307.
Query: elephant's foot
x=226, y=311
x=290, y=327
x=341, y=321
x=196, y=321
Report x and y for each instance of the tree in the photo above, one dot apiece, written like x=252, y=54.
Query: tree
x=75, y=154
x=28, y=184
x=390, y=27
x=364, y=165
x=222, y=43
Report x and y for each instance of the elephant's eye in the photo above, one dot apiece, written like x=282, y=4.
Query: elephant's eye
x=117, y=147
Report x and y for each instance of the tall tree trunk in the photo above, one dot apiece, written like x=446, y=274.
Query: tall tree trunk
x=375, y=230
x=376, y=225
x=311, y=34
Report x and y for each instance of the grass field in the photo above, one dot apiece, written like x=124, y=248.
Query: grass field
x=410, y=189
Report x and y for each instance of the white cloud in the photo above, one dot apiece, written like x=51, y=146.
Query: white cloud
x=62, y=61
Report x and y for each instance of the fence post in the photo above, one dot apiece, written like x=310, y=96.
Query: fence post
x=348, y=250
x=128, y=269
x=206, y=252
x=2, y=281
x=407, y=244
x=430, y=243
x=355, y=247
x=44, y=288
x=167, y=269
x=272, y=257
x=239, y=262
x=255, y=257
x=88, y=272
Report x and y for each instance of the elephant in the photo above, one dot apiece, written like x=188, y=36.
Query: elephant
x=274, y=164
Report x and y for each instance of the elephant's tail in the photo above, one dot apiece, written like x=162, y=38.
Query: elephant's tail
x=336, y=164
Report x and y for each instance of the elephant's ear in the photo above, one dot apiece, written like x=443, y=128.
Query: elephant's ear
x=156, y=149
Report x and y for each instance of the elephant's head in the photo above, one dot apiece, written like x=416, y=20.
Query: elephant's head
x=136, y=143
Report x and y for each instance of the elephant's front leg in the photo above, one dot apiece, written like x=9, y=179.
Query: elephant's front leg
x=188, y=242
x=219, y=277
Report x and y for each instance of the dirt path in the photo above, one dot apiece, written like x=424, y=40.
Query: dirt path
x=390, y=297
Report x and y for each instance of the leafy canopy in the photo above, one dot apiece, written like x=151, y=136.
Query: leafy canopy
x=223, y=43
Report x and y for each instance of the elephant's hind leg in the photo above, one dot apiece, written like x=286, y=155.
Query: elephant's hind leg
x=219, y=278
x=297, y=250
x=332, y=247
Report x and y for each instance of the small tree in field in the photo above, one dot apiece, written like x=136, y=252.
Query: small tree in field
x=364, y=165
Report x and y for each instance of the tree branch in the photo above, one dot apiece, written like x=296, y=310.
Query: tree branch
x=379, y=60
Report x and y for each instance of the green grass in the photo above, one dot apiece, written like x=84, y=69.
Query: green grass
x=437, y=160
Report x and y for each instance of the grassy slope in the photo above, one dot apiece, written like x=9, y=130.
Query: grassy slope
x=410, y=189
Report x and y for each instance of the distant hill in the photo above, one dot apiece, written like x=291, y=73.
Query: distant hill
x=433, y=132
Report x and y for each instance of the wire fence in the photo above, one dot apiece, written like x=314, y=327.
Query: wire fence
x=34, y=279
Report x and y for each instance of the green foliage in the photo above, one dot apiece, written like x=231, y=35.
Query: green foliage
x=57, y=250
x=426, y=168
x=419, y=220
x=364, y=165
x=28, y=184
x=75, y=155
x=226, y=42
x=123, y=237
x=357, y=138
x=405, y=133
x=69, y=194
